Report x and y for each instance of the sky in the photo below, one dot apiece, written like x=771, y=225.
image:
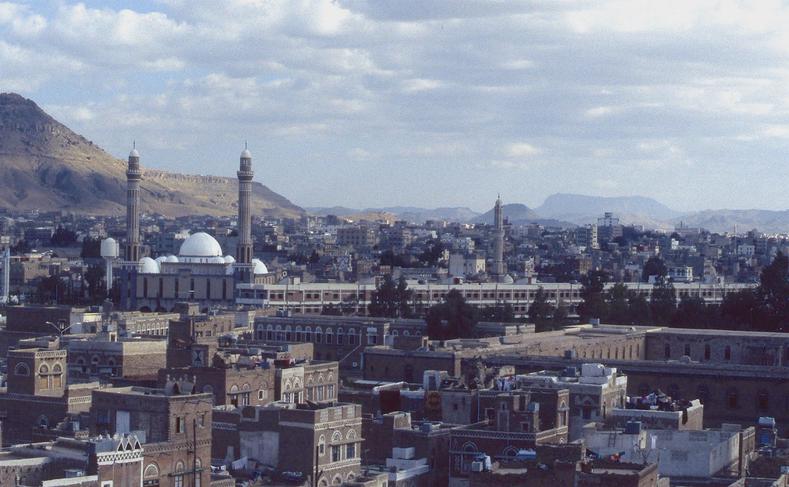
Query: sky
x=425, y=103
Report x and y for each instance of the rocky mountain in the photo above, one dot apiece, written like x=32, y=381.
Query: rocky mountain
x=46, y=166
x=516, y=213
x=768, y=221
x=408, y=213
x=581, y=209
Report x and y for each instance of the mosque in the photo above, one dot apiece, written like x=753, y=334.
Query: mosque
x=201, y=272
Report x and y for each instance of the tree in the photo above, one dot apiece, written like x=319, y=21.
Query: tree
x=663, y=303
x=91, y=248
x=391, y=299
x=654, y=266
x=501, y=313
x=618, y=307
x=541, y=311
x=740, y=309
x=454, y=318
x=692, y=312
x=432, y=253
x=638, y=309
x=773, y=293
x=94, y=276
x=63, y=237
x=593, y=305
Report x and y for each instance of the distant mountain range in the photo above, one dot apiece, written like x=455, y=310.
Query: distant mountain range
x=45, y=166
x=568, y=210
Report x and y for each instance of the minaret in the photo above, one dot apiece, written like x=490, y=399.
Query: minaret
x=133, y=178
x=498, y=240
x=244, y=250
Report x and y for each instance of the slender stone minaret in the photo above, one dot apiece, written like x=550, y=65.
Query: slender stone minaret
x=498, y=241
x=133, y=178
x=244, y=250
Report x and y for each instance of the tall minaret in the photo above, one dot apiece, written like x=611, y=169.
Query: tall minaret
x=133, y=178
x=244, y=250
x=498, y=240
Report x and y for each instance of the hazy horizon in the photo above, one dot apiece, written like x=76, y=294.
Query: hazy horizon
x=426, y=104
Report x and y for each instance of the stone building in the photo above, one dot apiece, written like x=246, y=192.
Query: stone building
x=323, y=441
x=130, y=359
x=38, y=395
x=176, y=425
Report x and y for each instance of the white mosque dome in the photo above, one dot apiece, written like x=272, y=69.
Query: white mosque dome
x=217, y=260
x=171, y=259
x=260, y=267
x=229, y=259
x=200, y=244
x=245, y=154
x=134, y=153
x=148, y=266
x=161, y=259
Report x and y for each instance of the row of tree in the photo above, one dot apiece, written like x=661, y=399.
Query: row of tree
x=764, y=308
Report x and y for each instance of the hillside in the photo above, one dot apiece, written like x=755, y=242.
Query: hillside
x=46, y=166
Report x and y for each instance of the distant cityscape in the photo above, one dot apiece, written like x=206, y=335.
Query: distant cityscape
x=324, y=350
x=354, y=243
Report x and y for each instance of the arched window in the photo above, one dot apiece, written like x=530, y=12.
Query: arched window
x=322, y=445
x=299, y=335
x=152, y=470
x=43, y=421
x=307, y=334
x=43, y=369
x=340, y=337
x=21, y=369
x=269, y=332
x=707, y=352
x=667, y=351
x=687, y=350
x=351, y=336
x=288, y=334
x=727, y=353
x=329, y=336
x=318, y=335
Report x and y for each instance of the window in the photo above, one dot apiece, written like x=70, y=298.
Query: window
x=21, y=369
x=180, y=425
x=707, y=352
x=322, y=445
x=667, y=351
x=727, y=353
x=687, y=350
x=762, y=400
x=731, y=399
x=178, y=481
x=335, y=453
x=350, y=450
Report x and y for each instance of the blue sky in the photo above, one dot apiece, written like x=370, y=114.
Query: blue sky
x=426, y=103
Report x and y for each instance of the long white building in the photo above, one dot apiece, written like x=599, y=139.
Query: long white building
x=312, y=297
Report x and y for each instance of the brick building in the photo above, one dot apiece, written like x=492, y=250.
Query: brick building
x=176, y=425
x=37, y=395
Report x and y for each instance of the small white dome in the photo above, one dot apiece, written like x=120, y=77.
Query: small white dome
x=148, y=266
x=161, y=259
x=171, y=259
x=245, y=154
x=134, y=153
x=217, y=260
x=259, y=267
x=109, y=248
x=229, y=259
x=200, y=244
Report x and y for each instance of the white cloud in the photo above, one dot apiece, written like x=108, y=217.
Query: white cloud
x=586, y=87
x=521, y=150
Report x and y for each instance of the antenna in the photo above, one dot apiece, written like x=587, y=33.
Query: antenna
x=134, y=144
x=245, y=145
